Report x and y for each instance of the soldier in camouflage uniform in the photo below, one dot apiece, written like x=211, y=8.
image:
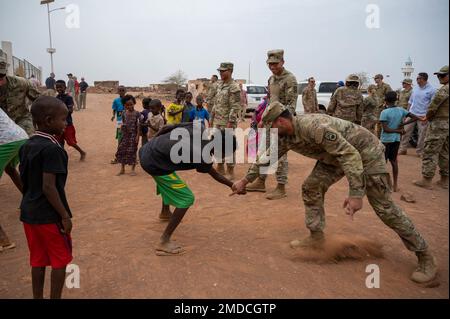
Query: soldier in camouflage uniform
x=212, y=90
x=341, y=148
x=370, y=108
x=227, y=107
x=309, y=97
x=382, y=89
x=283, y=88
x=436, y=141
x=405, y=94
x=347, y=101
x=14, y=92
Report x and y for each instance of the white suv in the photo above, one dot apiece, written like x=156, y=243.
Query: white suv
x=324, y=91
x=255, y=95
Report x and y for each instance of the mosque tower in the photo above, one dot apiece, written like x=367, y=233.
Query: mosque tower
x=408, y=69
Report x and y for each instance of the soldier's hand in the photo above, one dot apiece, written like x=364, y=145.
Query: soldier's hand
x=352, y=205
x=239, y=187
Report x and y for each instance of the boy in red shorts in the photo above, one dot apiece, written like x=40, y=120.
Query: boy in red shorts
x=69, y=134
x=45, y=212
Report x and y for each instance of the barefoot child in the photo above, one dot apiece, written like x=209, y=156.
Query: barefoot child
x=155, y=121
x=126, y=153
x=44, y=209
x=156, y=159
x=12, y=137
x=117, y=110
x=391, y=120
x=69, y=134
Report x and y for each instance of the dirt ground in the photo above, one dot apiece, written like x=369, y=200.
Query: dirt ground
x=237, y=247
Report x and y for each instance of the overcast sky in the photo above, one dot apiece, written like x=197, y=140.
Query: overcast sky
x=140, y=42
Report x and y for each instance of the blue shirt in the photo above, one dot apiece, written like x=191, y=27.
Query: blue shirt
x=118, y=107
x=50, y=83
x=394, y=116
x=199, y=114
x=188, y=107
x=420, y=99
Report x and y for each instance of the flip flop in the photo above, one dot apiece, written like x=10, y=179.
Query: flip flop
x=165, y=253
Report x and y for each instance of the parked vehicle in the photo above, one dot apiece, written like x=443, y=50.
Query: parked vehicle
x=324, y=91
x=255, y=95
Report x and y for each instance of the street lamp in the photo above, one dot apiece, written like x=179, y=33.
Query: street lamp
x=50, y=50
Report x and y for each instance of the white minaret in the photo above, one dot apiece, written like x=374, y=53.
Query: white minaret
x=408, y=70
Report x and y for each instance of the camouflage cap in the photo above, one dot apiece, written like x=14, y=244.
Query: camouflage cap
x=272, y=112
x=275, y=56
x=379, y=76
x=352, y=78
x=3, y=66
x=443, y=70
x=225, y=66
x=408, y=81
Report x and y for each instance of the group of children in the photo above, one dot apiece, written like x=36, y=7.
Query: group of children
x=133, y=125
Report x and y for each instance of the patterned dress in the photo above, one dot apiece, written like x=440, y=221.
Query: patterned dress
x=126, y=153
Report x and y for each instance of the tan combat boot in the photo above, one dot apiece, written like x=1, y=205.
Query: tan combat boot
x=314, y=239
x=443, y=182
x=278, y=193
x=221, y=169
x=230, y=173
x=425, y=182
x=426, y=269
x=259, y=185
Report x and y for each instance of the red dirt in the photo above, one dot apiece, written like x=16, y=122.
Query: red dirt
x=237, y=247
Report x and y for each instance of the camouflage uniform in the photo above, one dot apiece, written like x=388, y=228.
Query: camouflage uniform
x=227, y=104
x=403, y=98
x=436, y=141
x=342, y=149
x=347, y=103
x=369, y=113
x=212, y=90
x=13, y=100
x=309, y=100
x=380, y=92
x=283, y=89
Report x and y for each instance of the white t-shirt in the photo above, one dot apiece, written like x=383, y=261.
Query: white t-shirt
x=10, y=131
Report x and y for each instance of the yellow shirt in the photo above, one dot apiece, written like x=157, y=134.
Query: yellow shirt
x=174, y=119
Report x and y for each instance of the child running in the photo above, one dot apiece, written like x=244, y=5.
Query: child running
x=156, y=159
x=44, y=209
x=117, y=109
x=69, y=134
x=126, y=153
x=175, y=110
x=155, y=121
x=391, y=120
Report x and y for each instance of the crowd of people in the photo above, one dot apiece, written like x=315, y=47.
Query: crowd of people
x=352, y=138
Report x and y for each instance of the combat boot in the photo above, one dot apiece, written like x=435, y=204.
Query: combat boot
x=230, y=173
x=259, y=185
x=443, y=183
x=426, y=269
x=278, y=193
x=314, y=239
x=425, y=182
x=221, y=169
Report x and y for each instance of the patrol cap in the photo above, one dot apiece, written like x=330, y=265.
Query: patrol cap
x=408, y=81
x=225, y=66
x=379, y=76
x=272, y=112
x=352, y=78
x=275, y=56
x=443, y=70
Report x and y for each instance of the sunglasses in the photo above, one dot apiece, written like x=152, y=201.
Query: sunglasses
x=438, y=75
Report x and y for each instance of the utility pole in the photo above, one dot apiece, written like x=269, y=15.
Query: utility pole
x=51, y=49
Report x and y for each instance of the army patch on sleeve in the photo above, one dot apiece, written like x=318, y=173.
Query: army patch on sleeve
x=330, y=136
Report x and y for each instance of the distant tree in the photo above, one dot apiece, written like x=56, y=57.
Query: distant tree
x=364, y=79
x=179, y=78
